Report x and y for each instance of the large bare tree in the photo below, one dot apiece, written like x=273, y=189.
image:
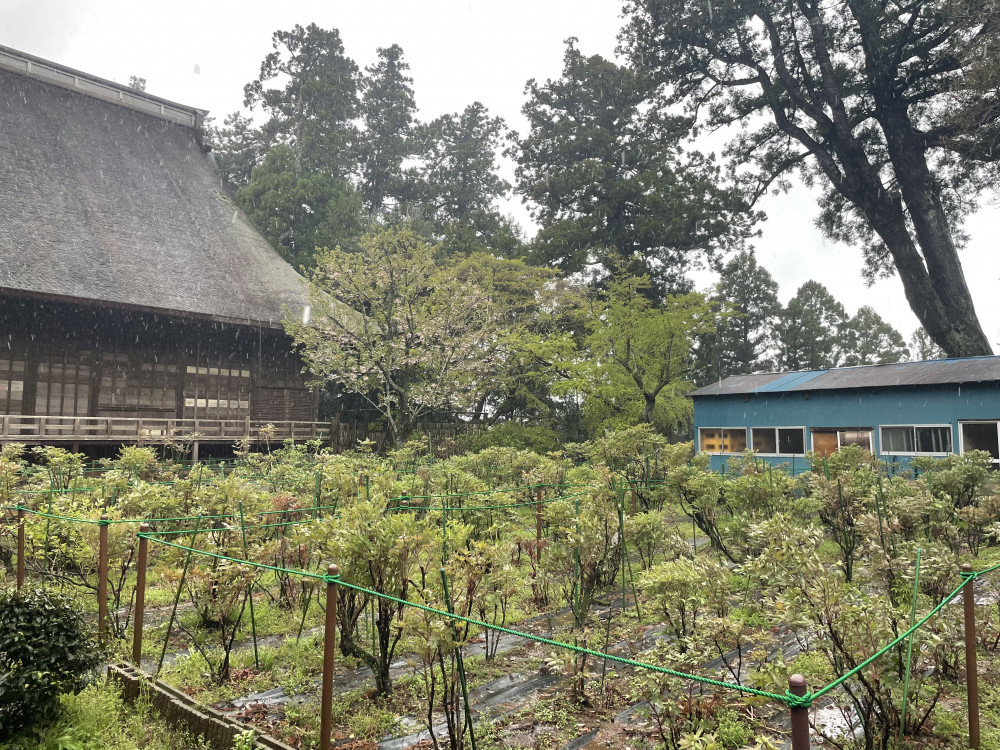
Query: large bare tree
x=891, y=106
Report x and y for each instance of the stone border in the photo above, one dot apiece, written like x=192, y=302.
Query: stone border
x=181, y=710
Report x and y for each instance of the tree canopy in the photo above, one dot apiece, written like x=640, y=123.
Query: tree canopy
x=808, y=333
x=639, y=356
x=608, y=181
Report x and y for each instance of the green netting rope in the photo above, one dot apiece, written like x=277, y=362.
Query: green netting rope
x=109, y=522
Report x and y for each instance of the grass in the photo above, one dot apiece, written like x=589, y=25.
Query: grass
x=98, y=719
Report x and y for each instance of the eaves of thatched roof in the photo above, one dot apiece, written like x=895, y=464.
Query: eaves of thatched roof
x=108, y=196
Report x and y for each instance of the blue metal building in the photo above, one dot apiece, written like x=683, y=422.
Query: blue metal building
x=896, y=411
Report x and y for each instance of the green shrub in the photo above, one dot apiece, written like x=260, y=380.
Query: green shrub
x=512, y=435
x=732, y=731
x=45, y=650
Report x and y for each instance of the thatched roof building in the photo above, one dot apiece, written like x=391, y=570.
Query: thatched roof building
x=131, y=286
x=110, y=195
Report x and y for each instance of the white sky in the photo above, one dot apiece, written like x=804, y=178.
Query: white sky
x=203, y=53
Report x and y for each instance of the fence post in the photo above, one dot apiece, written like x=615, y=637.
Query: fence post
x=538, y=524
x=20, y=547
x=633, y=499
x=800, y=715
x=329, y=644
x=971, y=668
x=140, y=597
x=102, y=577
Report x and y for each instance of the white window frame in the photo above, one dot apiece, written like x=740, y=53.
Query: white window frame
x=914, y=427
x=838, y=430
x=776, y=441
x=961, y=435
x=746, y=433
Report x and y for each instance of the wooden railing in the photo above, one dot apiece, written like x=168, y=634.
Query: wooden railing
x=29, y=429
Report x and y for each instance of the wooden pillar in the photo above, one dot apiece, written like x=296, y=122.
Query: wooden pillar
x=194, y=451
x=140, y=597
x=971, y=667
x=800, y=716
x=329, y=646
x=102, y=578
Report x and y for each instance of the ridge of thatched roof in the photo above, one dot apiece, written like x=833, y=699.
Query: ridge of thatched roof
x=109, y=201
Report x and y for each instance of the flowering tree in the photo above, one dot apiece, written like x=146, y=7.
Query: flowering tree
x=415, y=337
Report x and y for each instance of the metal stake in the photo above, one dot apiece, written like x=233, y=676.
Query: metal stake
x=20, y=547
x=102, y=578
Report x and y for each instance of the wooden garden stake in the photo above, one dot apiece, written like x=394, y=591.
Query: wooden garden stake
x=971, y=669
x=329, y=643
x=140, y=596
x=20, y=547
x=800, y=715
x=102, y=577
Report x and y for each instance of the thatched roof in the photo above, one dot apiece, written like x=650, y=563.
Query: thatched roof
x=107, y=195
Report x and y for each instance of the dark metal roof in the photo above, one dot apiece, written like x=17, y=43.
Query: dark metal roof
x=933, y=372
x=105, y=202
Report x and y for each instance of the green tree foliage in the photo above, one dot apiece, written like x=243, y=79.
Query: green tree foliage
x=45, y=650
x=808, y=334
x=300, y=211
x=868, y=340
x=748, y=296
x=539, y=314
x=414, y=337
x=388, y=110
x=317, y=102
x=608, y=180
x=868, y=99
x=459, y=181
x=238, y=149
x=640, y=355
x=300, y=195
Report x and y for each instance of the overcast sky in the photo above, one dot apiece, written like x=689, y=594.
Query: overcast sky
x=203, y=53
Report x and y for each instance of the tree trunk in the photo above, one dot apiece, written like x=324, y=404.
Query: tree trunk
x=934, y=284
x=647, y=409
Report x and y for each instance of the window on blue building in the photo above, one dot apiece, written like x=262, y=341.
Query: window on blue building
x=909, y=440
x=981, y=436
x=722, y=439
x=828, y=440
x=778, y=441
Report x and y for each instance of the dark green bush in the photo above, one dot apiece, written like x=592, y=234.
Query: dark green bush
x=45, y=650
x=523, y=437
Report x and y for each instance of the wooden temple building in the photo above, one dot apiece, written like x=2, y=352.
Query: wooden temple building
x=136, y=300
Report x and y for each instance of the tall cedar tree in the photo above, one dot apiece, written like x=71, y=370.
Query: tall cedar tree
x=808, y=333
x=388, y=109
x=869, y=340
x=460, y=183
x=300, y=196
x=608, y=181
x=870, y=98
x=747, y=296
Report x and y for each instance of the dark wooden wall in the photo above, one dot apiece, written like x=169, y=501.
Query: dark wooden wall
x=59, y=359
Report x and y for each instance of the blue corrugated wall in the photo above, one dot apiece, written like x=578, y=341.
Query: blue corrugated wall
x=910, y=405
